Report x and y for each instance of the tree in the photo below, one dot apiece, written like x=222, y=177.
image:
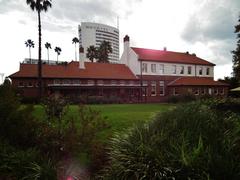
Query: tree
x=58, y=50
x=103, y=51
x=48, y=46
x=30, y=44
x=236, y=54
x=91, y=53
x=39, y=6
x=75, y=40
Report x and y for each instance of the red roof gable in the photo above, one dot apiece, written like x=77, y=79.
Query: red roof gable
x=71, y=70
x=196, y=81
x=169, y=56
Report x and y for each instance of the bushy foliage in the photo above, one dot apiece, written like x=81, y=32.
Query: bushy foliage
x=193, y=141
x=17, y=123
x=24, y=164
x=182, y=98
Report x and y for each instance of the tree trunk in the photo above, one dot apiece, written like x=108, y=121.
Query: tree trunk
x=48, y=55
x=75, y=53
x=39, y=57
x=30, y=55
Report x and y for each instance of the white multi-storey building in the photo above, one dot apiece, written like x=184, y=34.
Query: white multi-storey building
x=165, y=73
x=94, y=33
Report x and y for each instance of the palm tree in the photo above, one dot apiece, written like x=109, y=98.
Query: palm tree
x=75, y=40
x=48, y=46
x=103, y=51
x=91, y=53
x=58, y=51
x=30, y=44
x=39, y=6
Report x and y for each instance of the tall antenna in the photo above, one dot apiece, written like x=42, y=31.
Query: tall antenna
x=118, y=22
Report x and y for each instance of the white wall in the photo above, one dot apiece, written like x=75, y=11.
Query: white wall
x=169, y=66
x=130, y=58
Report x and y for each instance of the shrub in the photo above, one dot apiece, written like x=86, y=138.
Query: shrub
x=24, y=164
x=193, y=141
x=182, y=98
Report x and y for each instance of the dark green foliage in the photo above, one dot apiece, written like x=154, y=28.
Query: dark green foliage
x=103, y=51
x=182, y=98
x=19, y=137
x=17, y=124
x=91, y=53
x=67, y=133
x=24, y=164
x=232, y=81
x=193, y=141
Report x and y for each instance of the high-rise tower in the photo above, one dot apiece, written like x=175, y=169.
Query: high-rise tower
x=95, y=33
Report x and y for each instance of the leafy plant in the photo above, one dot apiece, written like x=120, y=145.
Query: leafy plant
x=193, y=141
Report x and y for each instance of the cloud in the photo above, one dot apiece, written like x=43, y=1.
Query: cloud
x=215, y=20
x=212, y=25
x=11, y=5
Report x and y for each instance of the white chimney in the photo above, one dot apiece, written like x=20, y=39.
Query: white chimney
x=126, y=48
x=81, y=58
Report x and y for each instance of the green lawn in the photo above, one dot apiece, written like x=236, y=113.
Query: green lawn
x=122, y=116
x=119, y=116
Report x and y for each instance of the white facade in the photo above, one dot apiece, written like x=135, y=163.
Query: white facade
x=94, y=33
x=130, y=58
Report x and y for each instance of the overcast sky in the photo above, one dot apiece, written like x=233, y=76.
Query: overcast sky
x=204, y=27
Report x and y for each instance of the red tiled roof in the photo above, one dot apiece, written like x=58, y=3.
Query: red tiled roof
x=196, y=81
x=71, y=70
x=169, y=56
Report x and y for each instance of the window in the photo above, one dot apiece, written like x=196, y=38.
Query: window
x=175, y=91
x=153, y=68
x=131, y=83
x=203, y=91
x=196, y=91
x=200, y=71
x=145, y=83
x=216, y=91
x=144, y=67
x=161, y=86
x=20, y=84
x=182, y=70
x=30, y=84
x=90, y=82
x=207, y=71
x=76, y=81
x=66, y=81
x=153, y=88
x=189, y=90
x=122, y=82
x=221, y=91
x=210, y=91
x=113, y=82
x=161, y=69
x=56, y=81
x=144, y=91
x=189, y=70
x=100, y=82
x=174, y=69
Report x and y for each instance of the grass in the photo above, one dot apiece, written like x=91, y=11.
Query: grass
x=119, y=116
